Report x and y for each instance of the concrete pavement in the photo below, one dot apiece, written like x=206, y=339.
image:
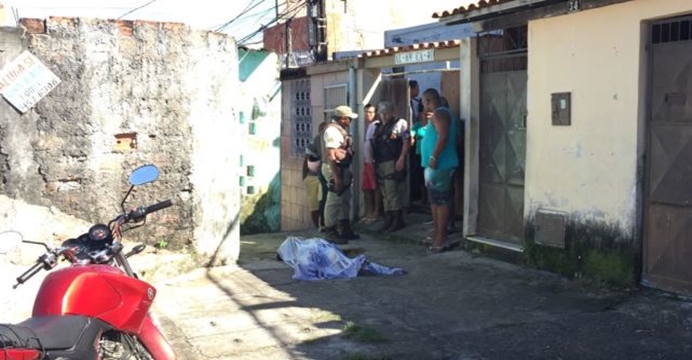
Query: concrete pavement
x=455, y=305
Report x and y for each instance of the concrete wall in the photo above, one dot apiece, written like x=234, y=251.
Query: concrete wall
x=360, y=24
x=260, y=108
x=592, y=168
x=293, y=198
x=357, y=24
x=274, y=38
x=294, y=212
x=164, y=88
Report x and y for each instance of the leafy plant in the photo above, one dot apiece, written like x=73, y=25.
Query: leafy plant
x=161, y=244
x=364, y=334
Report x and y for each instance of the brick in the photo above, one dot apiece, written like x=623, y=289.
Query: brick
x=125, y=27
x=33, y=26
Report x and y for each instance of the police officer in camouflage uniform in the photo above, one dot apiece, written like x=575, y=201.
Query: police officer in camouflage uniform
x=337, y=156
x=390, y=146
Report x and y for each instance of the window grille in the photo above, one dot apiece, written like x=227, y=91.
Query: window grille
x=301, y=116
x=334, y=95
x=503, y=50
x=672, y=30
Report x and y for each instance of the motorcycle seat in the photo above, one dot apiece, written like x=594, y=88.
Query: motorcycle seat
x=44, y=332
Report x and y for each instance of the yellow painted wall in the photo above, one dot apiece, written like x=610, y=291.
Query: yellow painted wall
x=589, y=169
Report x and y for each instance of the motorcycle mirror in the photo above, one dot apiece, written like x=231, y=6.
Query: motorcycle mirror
x=10, y=241
x=144, y=175
x=140, y=176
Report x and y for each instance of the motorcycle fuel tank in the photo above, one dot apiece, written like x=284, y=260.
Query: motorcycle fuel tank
x=100, y=291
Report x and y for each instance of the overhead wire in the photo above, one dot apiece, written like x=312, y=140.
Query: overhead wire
x=137, y=8
x=281, y=16
x=247, y=9
x=284, y=15
x=230, y=26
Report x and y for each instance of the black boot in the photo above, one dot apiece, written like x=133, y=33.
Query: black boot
x=332, y=235
x=345, y=231
x=388, y=219
x=398, y=222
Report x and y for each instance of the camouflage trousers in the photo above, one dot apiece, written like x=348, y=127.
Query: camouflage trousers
x=393, y=191
x=336, y=207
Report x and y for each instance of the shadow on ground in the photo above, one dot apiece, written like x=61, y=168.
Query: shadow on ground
x=454, y=305
x=457, y=305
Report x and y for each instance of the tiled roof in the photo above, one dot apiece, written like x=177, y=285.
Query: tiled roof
x=419, y=46
x=466, y=9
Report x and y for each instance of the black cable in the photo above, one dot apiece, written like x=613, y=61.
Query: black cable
x=137, y=8
x=293, y=9
x=247, y=17
x=247, y=9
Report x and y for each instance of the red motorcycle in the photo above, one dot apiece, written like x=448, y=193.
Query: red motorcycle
x=95, y=308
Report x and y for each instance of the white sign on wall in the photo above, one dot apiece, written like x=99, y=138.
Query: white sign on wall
x=413, y=57
x=25, y=81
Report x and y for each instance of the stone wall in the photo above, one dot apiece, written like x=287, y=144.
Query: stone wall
x=131, y=93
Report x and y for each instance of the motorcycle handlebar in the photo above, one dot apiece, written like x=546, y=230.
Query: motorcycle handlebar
x=143, y=211
x=159, y=206
x=29, y=273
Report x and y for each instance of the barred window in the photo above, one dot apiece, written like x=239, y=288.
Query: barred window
x=674, y=30
x=334, y=95
x=301, y=116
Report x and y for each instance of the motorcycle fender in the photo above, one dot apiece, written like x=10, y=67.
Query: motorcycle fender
x=20, y=354
x=152, y=339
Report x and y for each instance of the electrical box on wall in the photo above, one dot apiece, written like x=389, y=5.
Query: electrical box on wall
x=561, y=106
x=551, y=227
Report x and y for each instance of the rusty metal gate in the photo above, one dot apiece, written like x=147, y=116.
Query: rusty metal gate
x=668, y=206
x=502, y=152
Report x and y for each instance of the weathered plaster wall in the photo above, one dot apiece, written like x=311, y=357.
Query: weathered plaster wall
x=169, y=88
x=360, y=24
x=260, y=110
x=592, y=168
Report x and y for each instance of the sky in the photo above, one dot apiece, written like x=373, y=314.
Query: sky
x=201, y=14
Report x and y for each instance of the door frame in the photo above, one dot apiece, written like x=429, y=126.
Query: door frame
x=651, y=279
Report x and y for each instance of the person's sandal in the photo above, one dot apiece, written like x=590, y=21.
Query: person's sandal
x=437, y=249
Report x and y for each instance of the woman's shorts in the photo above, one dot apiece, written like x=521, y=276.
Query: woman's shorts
x=368, y=177
x=439, y=183
x=313, y=188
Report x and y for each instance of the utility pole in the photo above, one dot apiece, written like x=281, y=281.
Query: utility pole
x=289, y=42
x=317, y=29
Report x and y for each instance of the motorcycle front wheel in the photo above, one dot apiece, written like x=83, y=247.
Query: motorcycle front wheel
x=115, y=345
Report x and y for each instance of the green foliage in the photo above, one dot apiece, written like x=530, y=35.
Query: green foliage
x=363, y=334
x=552, y=259
x=597, y=252
x=261, y=214
x=161, y=244
x=612, y=268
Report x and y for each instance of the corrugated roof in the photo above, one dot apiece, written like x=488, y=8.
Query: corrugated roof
x=465, y=9
x=419, y=46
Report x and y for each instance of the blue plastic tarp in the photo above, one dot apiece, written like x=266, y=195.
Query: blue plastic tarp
x=318, y=259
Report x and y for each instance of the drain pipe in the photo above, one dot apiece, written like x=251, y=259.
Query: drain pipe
x=356, y=165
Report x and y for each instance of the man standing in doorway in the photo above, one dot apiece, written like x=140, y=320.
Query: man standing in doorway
x=391, y=143
x=337, y=156
x=440, y=160
x=371, y=193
